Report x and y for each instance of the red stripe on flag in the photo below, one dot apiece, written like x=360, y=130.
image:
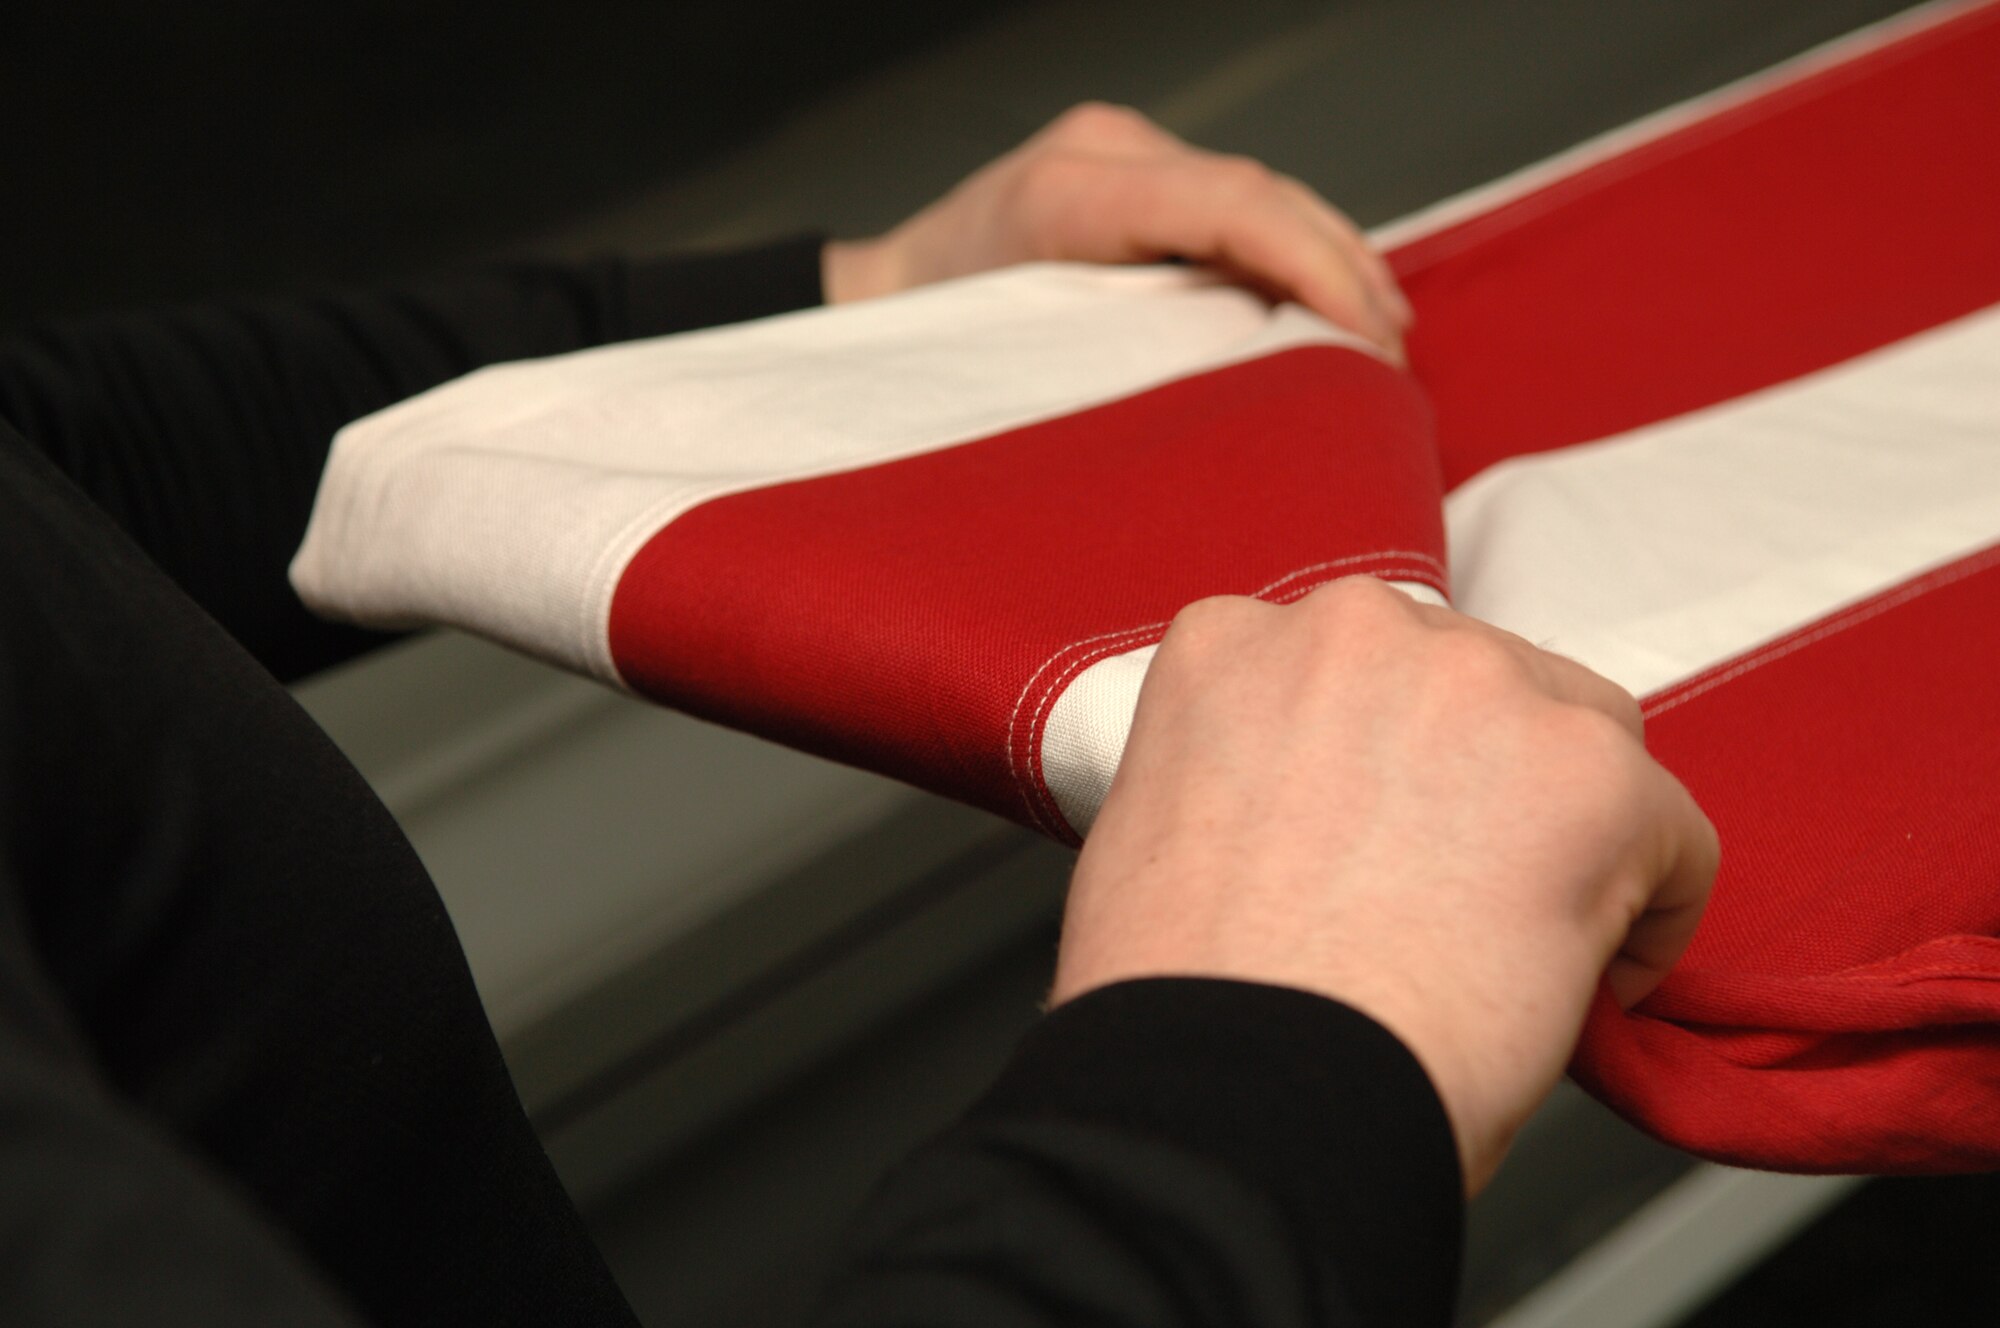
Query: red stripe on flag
x=1824, y=219
x=918, y=617
x=1839, y=1008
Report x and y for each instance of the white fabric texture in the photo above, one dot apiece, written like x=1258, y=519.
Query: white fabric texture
x=1648, y=556
x=582, y=458
x=1654, y=554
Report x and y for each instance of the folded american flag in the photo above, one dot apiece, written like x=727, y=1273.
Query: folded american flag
x=1711, y=404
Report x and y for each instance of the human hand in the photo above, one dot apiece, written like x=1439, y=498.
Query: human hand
x=1404, y=809
x=1103, y=184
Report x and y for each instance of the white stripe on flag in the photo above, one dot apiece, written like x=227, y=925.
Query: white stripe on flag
x=573, y=463
x=1655, y=554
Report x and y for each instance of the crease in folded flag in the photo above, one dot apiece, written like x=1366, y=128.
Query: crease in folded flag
x=1711, y=404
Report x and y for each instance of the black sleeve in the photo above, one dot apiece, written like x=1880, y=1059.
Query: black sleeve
x=1175, y=1151
x=203, y=431
x=243, y=1065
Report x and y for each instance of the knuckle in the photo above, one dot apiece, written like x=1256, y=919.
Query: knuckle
x=1356, y=592
x=1046, y=184
x=1054, y=173
x=1206, y=620
x=1606, y=723
x=1597, y=750
x=1244, y=176
x=1630, y=716
x=1359, y=616
x=1100, y=120
x=1602, y=735
x=1480, y=665
x=1359, y=607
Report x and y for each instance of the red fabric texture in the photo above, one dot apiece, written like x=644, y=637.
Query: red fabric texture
x=919, y=617
x=1840, y=1010
x=1819, y=221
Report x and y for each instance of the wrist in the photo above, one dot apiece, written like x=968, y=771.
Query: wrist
x=858, y=270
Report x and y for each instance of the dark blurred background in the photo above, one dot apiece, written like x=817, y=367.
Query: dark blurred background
x=160, y=152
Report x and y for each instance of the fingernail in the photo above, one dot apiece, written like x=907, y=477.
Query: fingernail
x=1406, y=313
x=1391, y=342
x=1383, y=328
x=1387, y=288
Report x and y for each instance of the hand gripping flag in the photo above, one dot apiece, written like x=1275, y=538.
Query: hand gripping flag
x=1711, y=404
x=896, y=534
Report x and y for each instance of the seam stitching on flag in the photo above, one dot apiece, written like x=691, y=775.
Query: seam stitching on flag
x=1024, y=748
x=1434, y=566
x=1956, y=972
x=1023, y=764
x=1042, y=797
x=1049, y=814
x=1420, y=574
x=1852, y=617
x=1020, y=762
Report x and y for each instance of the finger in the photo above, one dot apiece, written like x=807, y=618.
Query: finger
x=1103, y=127
x=1684, y=860
x=1231, y=214
x=1106, y=128
x=1559, y=676
x=1383, y=296
x=1356, y=245
x=1578, y=684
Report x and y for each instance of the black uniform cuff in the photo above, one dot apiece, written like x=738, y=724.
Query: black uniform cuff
x=1309, y=1100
